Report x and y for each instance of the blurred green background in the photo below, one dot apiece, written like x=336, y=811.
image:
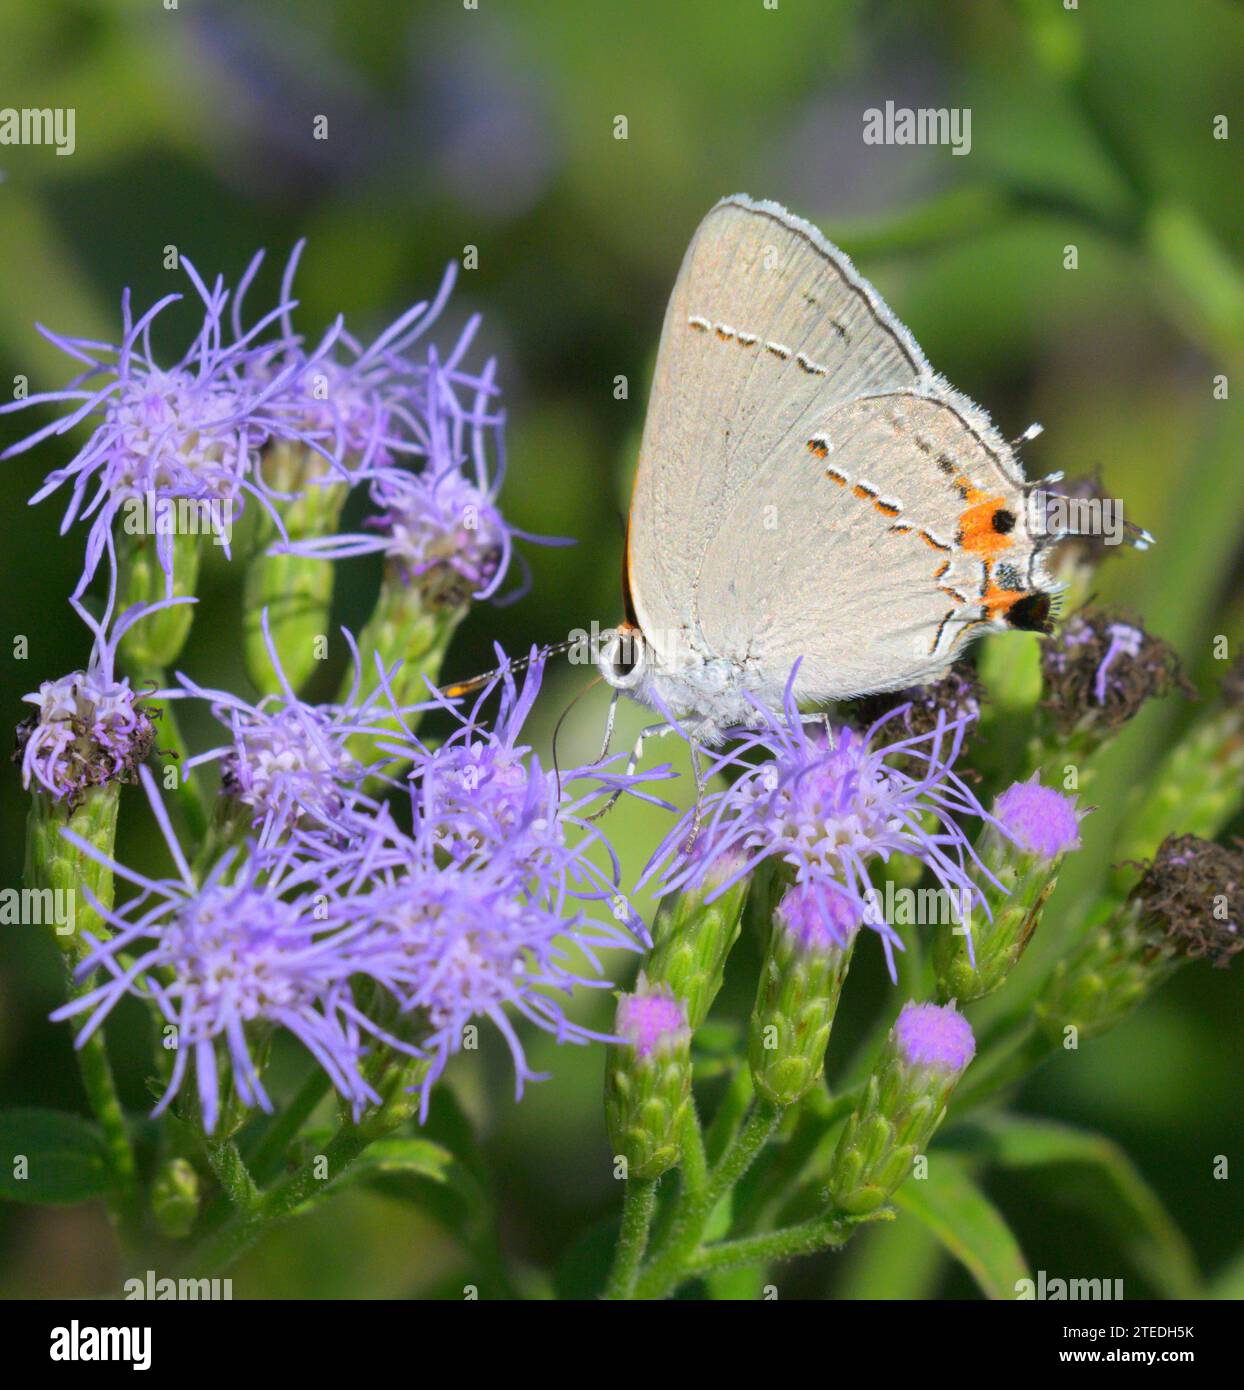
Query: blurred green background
x=494, y=127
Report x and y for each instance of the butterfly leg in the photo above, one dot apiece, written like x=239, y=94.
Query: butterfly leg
x=609, y=723
x=652, y=731
x=698, y=771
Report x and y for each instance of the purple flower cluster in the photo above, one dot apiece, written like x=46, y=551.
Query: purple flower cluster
x=90, y=727
x=474, y=908
x=826, y=803
x=934, y=1035
x=438, y=527
x=290, y=762
x=490, y=799
x=1040, y=820
x=418, y=429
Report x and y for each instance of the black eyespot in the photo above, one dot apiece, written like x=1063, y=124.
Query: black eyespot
x=1030, y=613
x=1003, y=521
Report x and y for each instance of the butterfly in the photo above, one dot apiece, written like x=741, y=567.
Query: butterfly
x=809, y=490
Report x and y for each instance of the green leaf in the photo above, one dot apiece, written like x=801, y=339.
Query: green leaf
x=967, y=1223
x=49, y=1157
x=1108, y=1186
x=405, y=1157
x=429, y=1175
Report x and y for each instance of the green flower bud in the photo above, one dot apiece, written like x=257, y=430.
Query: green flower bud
x=1036, y=827
x=154, y=643
x=175, y=1197
x=54, y=863
x=904, y=1102
x=692, y=938
x=797, y=996
x=405, y=626
x=297, y=590
x=648, y=1080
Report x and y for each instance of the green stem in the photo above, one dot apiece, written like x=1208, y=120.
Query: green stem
x=282, y=1201
x=637, y=1209
x=820, y=1233
x=231, y=1173
x=730, y=1112
x=741, y=1154
x=224, y=1244
x=694, y=1157
x=101, y=1091
x=814, y=1115
x=169, y=740
x=667, y=1268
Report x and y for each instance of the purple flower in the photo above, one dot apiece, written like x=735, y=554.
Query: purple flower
x=290, y=761
x=651, y=1019
x=359, y=405
x=191, y=430
x=485, y=796
x=818, y=916
x=90, y=728
x=917, y=709
x=456, y=942
x=829, y=806
x=439, y=527
x=1038, y=819
x=1100, y=670
x=933, y=1035
x=441, y=533
x=248, y=947
x=1123, y=641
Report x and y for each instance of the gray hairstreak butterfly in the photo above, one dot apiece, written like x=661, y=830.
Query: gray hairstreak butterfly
x=810, y=490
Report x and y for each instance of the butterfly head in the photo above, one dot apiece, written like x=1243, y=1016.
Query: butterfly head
x=623, y=657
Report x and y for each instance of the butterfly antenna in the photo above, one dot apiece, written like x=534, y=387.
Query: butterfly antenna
x=1134, y=536
x=557, y=728
x=475, y=682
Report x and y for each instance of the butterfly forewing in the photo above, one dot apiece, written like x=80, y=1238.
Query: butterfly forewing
x=767, y=327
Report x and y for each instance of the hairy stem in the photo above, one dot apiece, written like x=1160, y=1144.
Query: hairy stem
x=821, y=1233
x=667, y=1268
x=637, y=1209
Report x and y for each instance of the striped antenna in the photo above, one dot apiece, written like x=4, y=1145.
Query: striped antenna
x=465, y=687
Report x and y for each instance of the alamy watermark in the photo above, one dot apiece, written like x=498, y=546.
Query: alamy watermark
x=147, y=514
x=162, y=1290
x=78, y=1343
x=901, y=125
x=1091, y=1290
x=35, y=125
x=1051, y=514
x=39, y=907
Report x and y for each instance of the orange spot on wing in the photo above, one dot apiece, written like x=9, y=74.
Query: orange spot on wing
x=976, y=525
x=998, y=602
